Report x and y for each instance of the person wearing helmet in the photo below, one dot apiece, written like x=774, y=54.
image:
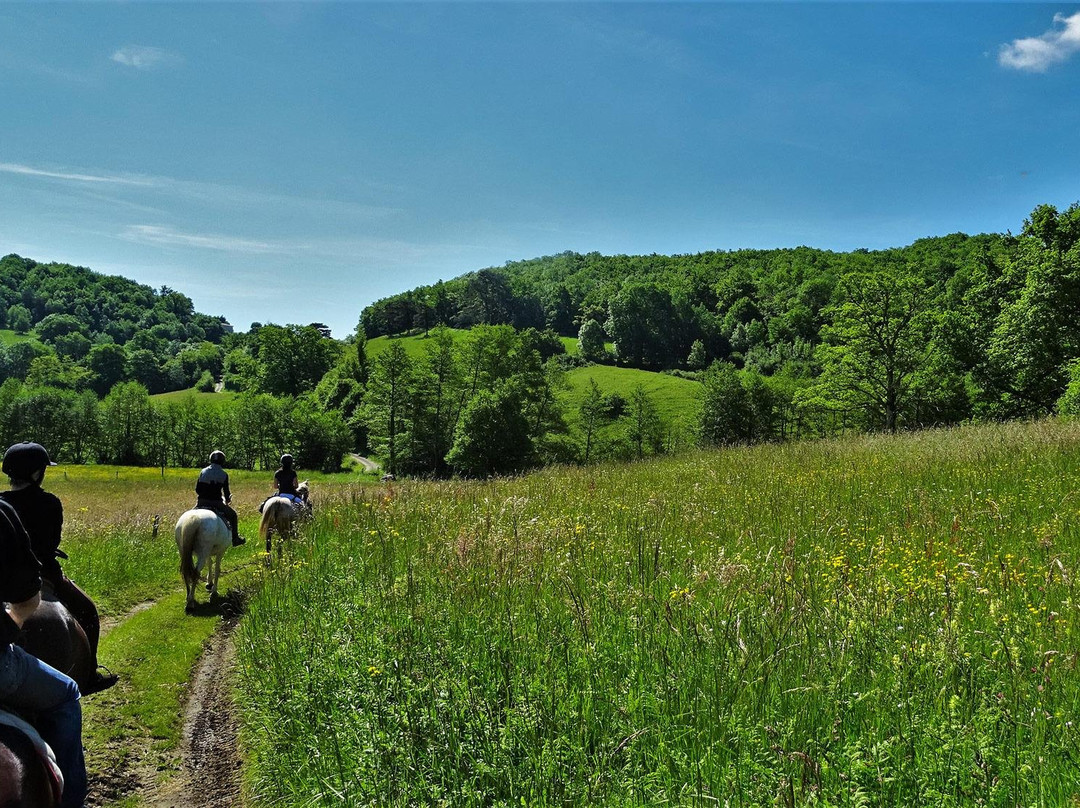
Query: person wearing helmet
x=42, y=515
x=285, y=483
x=26, y=683
x=213, y=494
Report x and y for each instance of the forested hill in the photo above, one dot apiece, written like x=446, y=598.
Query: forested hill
x=944, y=329
x=95, y=329
x=654, y=306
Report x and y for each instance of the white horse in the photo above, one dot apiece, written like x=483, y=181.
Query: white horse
x=206, y=536
x=279, y=514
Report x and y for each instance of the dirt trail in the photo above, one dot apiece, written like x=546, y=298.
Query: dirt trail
x=210, y=773
x=369, y=465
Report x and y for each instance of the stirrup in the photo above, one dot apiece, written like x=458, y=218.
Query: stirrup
x=101, y=681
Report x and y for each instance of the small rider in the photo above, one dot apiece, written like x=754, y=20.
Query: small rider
x=28, y=685
x=213, y=492
x=42, y=515
x=285, y=481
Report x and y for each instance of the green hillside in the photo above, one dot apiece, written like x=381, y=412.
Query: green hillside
x=219, y=399
x=676, y=399
x=413, y=345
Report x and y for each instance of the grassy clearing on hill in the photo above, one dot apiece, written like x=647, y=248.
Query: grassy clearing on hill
x=414, y=344
x=222, y=398
x=872, y=621
x=9, y=337
x=676, y=399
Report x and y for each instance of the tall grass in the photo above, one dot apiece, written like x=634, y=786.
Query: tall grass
x=873, y=621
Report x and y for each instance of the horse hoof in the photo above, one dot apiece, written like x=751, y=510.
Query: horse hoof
x=189, y=608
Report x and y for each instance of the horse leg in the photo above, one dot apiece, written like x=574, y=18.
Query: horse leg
x=216, y=564
x=269, y=531
x=190, y=584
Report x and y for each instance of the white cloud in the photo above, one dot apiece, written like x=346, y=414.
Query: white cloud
x=167, y=236
x=144, y=57
x=114, y=179
x=1037, y=53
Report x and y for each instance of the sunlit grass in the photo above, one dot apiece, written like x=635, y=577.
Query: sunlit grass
x=863, y=622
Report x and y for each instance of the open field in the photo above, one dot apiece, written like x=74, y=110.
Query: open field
x=413, y=345
x=676, y=399
x=875, y=621
x=224, y=397
x=9, y=337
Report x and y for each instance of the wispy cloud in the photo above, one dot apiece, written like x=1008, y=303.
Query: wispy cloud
x=205, y=192
x=1036, y=54
x=359, y=250
x=144, y=57
x=636, y=41
x=70, y=176
x=169, y=237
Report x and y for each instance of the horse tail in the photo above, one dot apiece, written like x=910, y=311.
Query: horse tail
x=269, y=517
x=186, y=532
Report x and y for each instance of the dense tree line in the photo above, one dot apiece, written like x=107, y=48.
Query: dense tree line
x=128, y=427
x=485, y=404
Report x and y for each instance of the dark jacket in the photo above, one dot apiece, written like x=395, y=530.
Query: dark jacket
x=20, y=572
x=42, y=515
x=286, y=481
x=213, y=485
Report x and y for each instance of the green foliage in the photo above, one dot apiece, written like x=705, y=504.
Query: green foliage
x=1069, y=403
x=18, y=318
x=698, y=358
x=292, y=359
x=206, y=383
x=878, y=340
x=591, y=342
x=493, y=435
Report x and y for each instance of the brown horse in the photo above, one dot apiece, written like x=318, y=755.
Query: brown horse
x=25, y=778
x=56, y=638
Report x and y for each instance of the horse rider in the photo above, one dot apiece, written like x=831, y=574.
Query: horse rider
x=213, y=494
x=42, y=515
x=285, y=481
x=27, y=685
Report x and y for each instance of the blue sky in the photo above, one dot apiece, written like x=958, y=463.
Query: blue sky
x=291, y=163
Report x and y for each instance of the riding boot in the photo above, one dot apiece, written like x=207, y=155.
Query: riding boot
x=237, y=539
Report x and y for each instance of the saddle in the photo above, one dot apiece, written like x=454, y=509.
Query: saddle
x=44, y=751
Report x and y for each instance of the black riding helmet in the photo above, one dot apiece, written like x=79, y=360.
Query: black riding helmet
x=23, y=459
x=217, y=457
x=286, y=461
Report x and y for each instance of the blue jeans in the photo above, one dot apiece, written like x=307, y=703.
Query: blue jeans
x=50, y=700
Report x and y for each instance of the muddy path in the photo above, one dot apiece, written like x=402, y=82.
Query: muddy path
x=204, y=771
x=210, y=768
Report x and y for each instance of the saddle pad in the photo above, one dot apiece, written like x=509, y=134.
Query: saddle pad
x=45, y=752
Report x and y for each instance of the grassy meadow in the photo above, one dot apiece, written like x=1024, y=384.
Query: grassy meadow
x=872, y=621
